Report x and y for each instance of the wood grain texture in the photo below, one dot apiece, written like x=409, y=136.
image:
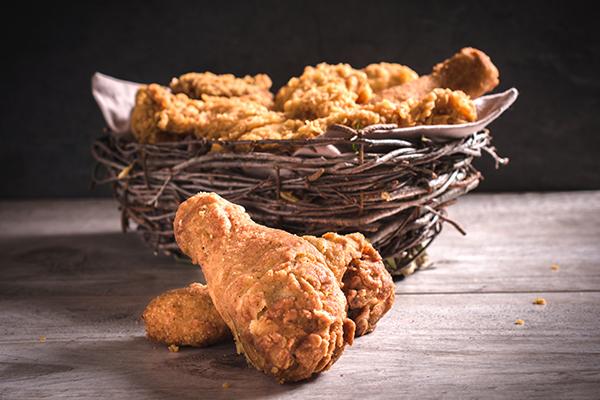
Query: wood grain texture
x=450, y=334
x=512, y=240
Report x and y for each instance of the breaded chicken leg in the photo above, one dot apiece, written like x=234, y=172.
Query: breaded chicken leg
x=470, y=71
x=283, y=305
x=187, y=316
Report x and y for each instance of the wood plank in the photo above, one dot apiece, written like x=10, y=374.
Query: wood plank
x=512, y=241
x=430, y=346
x=58, y=217
x=67, y=274
x=86, y=265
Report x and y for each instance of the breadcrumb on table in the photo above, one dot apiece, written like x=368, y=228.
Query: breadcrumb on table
x=226, y=385
x=520, y=322
x=555, y=267
x=539, y=301
x=173, y=348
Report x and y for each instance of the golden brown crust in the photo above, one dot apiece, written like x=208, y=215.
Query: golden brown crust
x=322, y=90
x=367, y=285
x=384, y=75
x=356, y=265
x=322, y=96
x=470, y=71
x=283, y=305
x=443, y=107
x=157, y=111
x=185, y=317
x=249, y=88
x=230, y=118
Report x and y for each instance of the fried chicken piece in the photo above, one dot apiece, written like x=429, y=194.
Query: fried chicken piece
x=322, y=89
x=230, y=118
x=440, y=106
x=443, y=107
x=178, y=315
x=185, y=317
x=143, y=124
x=159, y=115
x=356, y=118
x=367, y=285
x=249, y=88
x=470, y=70
x=384, y=75
x=282, y=303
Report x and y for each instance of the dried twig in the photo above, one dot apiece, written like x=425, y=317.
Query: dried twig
x=393, y=191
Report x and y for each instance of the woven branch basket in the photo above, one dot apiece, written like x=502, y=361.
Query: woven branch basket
x=393, y=191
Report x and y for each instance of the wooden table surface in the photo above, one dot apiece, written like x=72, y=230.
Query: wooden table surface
x=72, y=289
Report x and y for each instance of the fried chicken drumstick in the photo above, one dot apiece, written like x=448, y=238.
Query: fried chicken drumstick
x=187, y=316
x=470, y=71
x=283, y=305
x=367, y=285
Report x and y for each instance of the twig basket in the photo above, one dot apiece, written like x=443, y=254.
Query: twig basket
x=393, y=191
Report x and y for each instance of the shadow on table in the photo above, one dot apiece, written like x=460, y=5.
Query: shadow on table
x=92, y=288
x=88, y=264
x=149, y=370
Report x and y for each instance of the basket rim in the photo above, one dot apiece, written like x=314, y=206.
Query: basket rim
x=350, y=136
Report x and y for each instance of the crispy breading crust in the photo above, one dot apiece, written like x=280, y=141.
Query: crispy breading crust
x=384, y=75
x=185, y=317
x=283, y=305
x=158, y=111
x=356, y=265
x=367, y=285
x=249, y=88
x=321, y=90
x=443, y=107
x=160, y=115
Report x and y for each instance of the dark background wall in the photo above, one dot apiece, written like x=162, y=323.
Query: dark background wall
x=550, y=51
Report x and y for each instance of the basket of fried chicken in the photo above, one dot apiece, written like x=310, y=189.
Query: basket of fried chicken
x=379, y=150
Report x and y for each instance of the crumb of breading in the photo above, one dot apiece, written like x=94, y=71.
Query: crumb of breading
x=42, y=339
x=386, y=196
x=555, y=267
x=539, y=301
x=173, y=348
x=226, y=385
x=520, y=322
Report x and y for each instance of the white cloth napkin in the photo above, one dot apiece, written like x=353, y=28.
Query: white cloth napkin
x=116, y=99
